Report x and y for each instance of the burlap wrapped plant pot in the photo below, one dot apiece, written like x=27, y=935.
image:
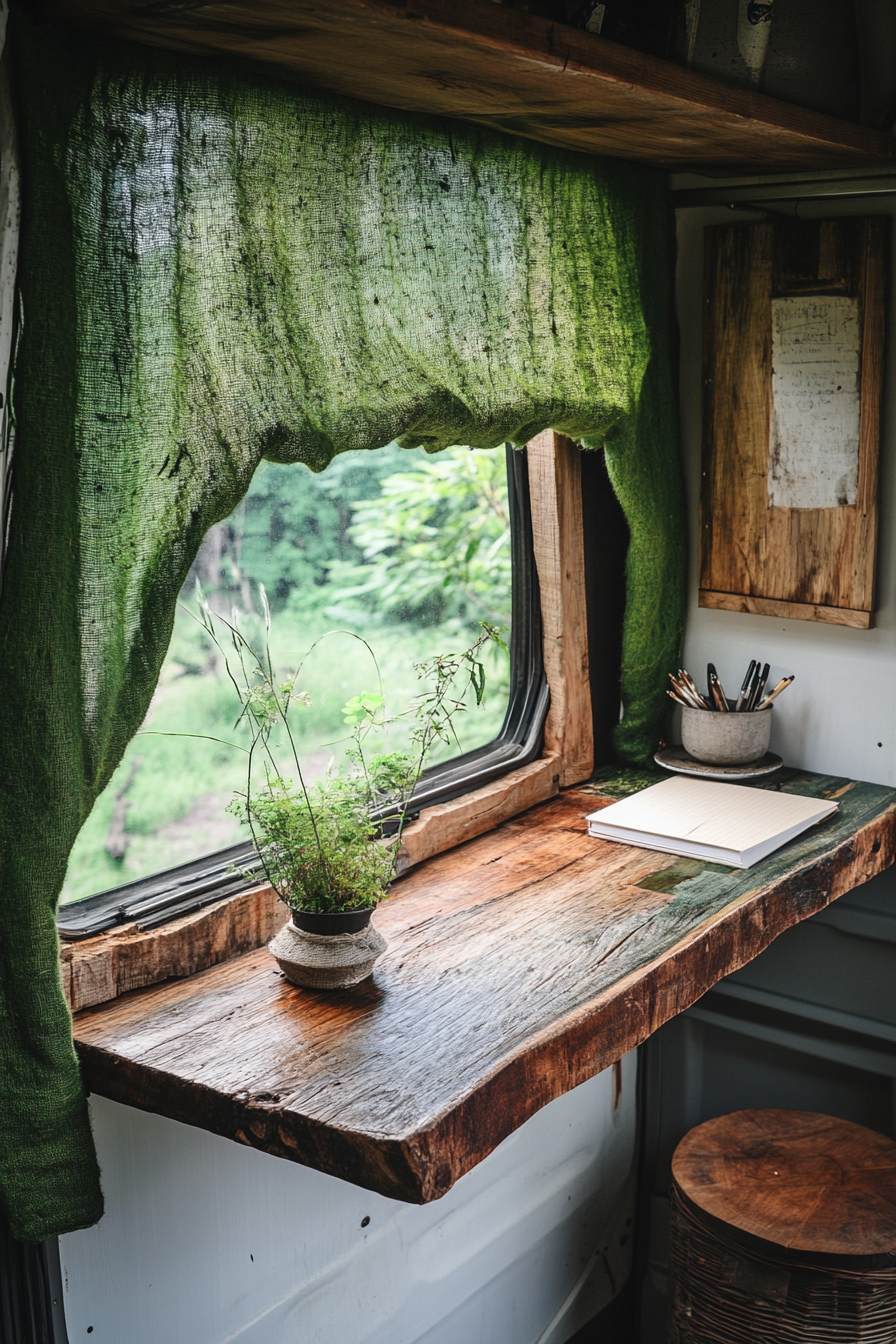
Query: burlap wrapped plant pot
x=326, y=961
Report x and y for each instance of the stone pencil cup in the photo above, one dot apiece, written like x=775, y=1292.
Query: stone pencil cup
x=717, y=738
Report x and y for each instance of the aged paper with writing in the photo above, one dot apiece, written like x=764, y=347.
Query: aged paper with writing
x=814, y=431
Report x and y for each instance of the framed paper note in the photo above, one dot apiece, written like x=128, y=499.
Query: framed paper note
x=816, y=404
x=793, y=348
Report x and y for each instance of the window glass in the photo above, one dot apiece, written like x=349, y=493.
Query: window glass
x=407, y=551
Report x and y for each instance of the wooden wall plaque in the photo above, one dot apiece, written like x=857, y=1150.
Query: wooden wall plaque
x=793, y=339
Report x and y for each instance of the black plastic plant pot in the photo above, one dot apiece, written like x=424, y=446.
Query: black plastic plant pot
x=340, y=921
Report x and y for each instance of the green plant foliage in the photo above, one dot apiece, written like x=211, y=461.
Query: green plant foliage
x=316, y=842
x=435, y=542
x=321, y=853
x=294, y=525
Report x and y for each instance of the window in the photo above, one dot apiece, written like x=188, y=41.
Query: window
x=407, y=551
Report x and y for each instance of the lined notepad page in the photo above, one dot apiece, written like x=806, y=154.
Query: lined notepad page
x=702, y=811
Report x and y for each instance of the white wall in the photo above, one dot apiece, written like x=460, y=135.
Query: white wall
x=843, y=702
x=205, y=1241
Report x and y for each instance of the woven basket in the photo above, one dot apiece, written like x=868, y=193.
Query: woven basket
x=723, y=1292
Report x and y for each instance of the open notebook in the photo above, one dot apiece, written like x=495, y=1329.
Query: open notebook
x=725, y=823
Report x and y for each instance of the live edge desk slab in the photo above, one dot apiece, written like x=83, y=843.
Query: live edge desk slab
x=519, y=965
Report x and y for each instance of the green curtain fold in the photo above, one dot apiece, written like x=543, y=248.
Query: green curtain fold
x=216, y=269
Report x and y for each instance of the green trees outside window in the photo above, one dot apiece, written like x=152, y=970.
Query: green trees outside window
x=408, y=550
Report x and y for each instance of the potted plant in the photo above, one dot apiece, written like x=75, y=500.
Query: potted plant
x=329, y=848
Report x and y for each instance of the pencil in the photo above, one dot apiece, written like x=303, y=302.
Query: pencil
x=781, y=686
x=689, y=682
x=683, y=693
x=718, y=691
x=759, y=689
x=754, y=682
x=746, y=686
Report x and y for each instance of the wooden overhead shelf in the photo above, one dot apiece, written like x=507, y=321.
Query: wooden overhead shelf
x=515, y=72
x=519, y=965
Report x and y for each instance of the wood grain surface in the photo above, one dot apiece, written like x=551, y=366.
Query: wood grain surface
x=555, y=487
x=786, y=611
x=448, y=824
x=95, y=970
x=809, y=558
x=802, y=1181
x=509, y=70
x=519, y=965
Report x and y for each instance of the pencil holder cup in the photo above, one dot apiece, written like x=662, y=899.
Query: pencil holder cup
x=717, y=738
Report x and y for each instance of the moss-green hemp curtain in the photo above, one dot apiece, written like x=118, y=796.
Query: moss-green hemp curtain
x=218, y=268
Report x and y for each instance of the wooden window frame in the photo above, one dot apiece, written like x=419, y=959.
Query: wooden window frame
x=96, y=970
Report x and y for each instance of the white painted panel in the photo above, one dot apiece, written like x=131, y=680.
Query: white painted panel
x=840, y=714
x=205, y=1241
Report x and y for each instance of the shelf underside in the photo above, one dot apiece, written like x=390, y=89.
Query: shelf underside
x=514, y=72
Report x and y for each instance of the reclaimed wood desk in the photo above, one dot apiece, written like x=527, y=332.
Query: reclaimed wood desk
x=519, y=965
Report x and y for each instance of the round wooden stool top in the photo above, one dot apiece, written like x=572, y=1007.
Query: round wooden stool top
x=805, y=1182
